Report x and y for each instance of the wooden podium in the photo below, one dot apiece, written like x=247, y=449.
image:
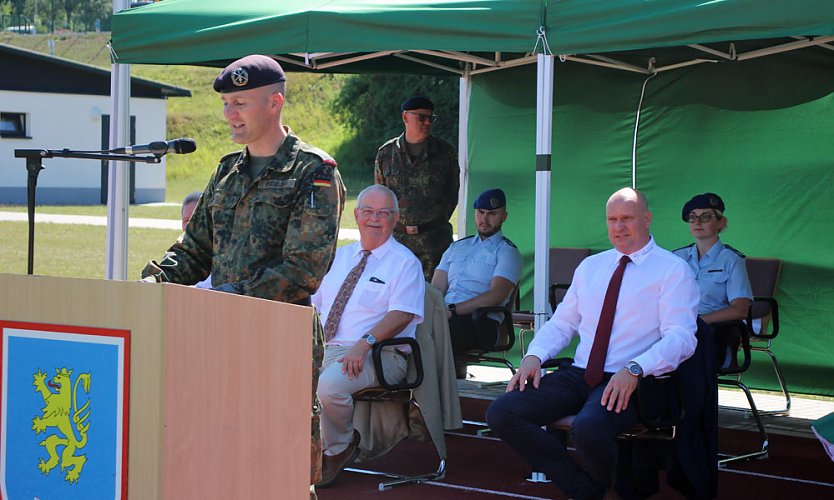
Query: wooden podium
x=217, y=387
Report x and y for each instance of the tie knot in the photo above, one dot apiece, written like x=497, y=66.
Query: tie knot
x=366, y=253
x=625, y=259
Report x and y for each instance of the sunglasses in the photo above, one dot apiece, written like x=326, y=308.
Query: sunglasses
x=423, y=117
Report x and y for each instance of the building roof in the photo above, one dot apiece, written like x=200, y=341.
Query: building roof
x=30, y=71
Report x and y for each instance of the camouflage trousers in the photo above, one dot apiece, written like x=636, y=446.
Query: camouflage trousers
x=315, y=429
x=428, y=247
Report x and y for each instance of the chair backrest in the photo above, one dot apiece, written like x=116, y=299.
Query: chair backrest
x=764, y=276
x=563, y=263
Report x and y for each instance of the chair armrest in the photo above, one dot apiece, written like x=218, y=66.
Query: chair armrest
x=505, y=327
x=376, y=353
x=774, y=318
x=743, y=329
x=674, y=412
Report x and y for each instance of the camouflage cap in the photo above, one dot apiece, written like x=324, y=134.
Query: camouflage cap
x=706, y=200
x=490, y=200
x=248, y=73
x=417, y=102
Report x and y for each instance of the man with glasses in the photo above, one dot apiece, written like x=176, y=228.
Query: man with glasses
x=720, y=271
x=423, y=171
x=373, y=291
x=478, y=271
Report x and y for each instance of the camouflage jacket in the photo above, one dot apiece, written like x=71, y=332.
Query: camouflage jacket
x=271, y=237
x=427, y=188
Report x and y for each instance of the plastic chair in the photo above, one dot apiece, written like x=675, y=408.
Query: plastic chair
x=763, y=317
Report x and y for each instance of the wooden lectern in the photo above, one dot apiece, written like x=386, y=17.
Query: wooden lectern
x=217, y=389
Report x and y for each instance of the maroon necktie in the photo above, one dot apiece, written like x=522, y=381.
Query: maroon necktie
x=596, y=360
x=335, y=314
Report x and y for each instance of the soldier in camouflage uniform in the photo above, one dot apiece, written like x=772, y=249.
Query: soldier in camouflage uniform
x=266, y=224
x=423, y=171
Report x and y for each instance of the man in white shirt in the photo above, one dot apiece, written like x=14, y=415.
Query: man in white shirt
x=653, y=331
x=385, y=302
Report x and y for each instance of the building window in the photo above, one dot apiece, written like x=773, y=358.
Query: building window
x=13, y=125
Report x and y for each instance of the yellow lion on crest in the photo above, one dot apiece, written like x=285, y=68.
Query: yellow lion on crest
x=56, y=414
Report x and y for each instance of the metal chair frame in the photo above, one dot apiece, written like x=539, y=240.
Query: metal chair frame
x=403, y=392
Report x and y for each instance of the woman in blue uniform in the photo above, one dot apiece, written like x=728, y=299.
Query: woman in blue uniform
x=719, y=269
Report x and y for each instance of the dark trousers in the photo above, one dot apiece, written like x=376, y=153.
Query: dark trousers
x=517, y=418
x=466, y=335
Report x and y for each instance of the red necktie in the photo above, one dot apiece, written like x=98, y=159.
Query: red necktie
x=596, y=360
x=335, y=314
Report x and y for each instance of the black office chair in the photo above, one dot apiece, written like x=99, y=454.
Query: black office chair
x=402, y=392
x=498, y=338
x=763, y=318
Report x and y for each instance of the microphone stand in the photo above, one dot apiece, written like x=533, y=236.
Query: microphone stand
x=34, y=166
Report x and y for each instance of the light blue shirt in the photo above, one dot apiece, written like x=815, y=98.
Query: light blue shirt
x=721, y=275
x=471, y=263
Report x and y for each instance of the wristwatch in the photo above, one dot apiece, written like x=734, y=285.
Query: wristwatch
x=370, y=339
x=453, y=309
x=634, y=369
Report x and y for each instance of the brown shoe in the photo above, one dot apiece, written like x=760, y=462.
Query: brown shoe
x=332, y=465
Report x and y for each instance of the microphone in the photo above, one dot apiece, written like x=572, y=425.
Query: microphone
x=180, y=146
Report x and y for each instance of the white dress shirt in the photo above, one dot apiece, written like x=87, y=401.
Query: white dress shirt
x=655, y=318
x=392, y=281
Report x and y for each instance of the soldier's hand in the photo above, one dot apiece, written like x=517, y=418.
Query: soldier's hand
x=228, y=288
x=531, y=368
x=354, y=360
x=148, y=279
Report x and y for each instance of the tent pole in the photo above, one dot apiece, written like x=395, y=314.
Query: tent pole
x=463, y=149
x=118, y=177
x=544, y=140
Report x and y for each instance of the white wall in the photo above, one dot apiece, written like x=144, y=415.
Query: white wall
x=57, y=121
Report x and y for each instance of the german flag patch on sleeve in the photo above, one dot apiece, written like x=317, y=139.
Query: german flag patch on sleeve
x=325, y=183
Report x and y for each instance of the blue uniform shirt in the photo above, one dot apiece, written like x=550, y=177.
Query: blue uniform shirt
x=721, y=275
x=471, y=263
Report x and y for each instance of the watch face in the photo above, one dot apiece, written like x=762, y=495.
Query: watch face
x=634, y=369
x=369, y=339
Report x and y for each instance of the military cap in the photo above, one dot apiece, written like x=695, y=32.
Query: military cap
x=706, y=200
x=417, y=102
x=248, y=73
x=490, y=200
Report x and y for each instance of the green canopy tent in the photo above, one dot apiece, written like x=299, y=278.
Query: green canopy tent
x=672, y=42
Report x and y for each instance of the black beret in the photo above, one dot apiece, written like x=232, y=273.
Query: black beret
x=490, y=200
x=249, y=73
x=417, y=102
x=706, y=200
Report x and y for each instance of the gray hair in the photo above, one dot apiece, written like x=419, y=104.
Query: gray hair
x=382, y=189
x=191, y=198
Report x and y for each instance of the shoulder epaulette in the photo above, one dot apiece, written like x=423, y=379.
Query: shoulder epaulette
x=227, y=156
x=687, y=246
x=465, y=238
x=510, y=242
x=728, y=247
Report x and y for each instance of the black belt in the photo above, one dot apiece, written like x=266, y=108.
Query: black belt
x=419, y=228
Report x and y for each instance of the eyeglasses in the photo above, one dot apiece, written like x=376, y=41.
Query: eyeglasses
x=423, y=117
x=703, y=218
x=382, y=213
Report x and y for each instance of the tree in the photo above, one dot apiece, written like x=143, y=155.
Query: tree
x=69, y=6
x=370, y=105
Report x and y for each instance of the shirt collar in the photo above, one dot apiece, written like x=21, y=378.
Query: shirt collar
x=640, y=255
x=378, y=252
x=494, y=239
x=713, y=252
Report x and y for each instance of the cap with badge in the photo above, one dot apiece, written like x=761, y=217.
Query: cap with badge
x=248, y=73
x=702, y=201
x=490, y=200
x=417, y=102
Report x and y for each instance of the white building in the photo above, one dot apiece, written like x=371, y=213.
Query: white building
x=53, y=103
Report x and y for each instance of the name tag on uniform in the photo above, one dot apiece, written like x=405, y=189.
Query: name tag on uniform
x=276, y=184
x=715, y=270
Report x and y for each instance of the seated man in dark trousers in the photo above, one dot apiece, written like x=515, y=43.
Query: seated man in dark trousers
x=373, y=291
x=478, y=271
x=634, y=308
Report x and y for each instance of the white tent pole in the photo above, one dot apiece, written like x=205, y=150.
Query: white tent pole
x=118, y=177
x=544, y=139
x=463, y=149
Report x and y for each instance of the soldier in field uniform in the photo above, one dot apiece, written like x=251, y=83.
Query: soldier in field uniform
x=423, y=171
x=266, y=224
